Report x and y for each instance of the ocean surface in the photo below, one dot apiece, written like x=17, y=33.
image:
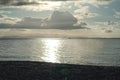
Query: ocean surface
x=105, y=52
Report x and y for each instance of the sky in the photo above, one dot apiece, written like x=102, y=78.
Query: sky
x=95, y=17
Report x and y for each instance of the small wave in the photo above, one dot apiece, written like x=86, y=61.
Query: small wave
x=4, y=56
x=117, y=48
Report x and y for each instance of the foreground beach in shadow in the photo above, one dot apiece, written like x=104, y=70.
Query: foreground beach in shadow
x=27, y=70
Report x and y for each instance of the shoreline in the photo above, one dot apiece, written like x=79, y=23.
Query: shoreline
x=37, y=37
x=30, y=70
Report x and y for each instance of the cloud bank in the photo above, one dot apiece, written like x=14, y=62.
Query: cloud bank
x=57, y=20
x=84, y=12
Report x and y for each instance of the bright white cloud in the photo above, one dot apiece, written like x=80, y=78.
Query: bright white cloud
x=8, y=20
x=83, y=13
x=117, y=14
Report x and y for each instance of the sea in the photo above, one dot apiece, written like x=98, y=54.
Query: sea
x=82, y=51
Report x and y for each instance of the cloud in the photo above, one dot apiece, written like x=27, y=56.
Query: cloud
x=34, y=5
x=111, y=23
x=107, y=26
x=82, y=25
x=1, y=16
x=29, y=22
x=8, y=20
x=51, y=5
x=40, y=5
x=61, y=20
x=117, y=14
x=17, y=2
x=5, y=25
x=4, y=12
x=44, y=6
x=106, y=23
x=100, y=2
x=95, y=3
x=83, y=13
x=108, y=31
x=57, y=20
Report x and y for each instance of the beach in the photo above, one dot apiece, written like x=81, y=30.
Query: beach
x=29, y=70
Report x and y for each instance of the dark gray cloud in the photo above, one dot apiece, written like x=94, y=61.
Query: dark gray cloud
x=61, y=20
x=14, y=3
x=108, y=31
x=29, y=2
x=4, y=25
x=29, y=22
x=110, y=23
x=1, y=16
x=22, y=2
x=82, y=25
x=17, y=2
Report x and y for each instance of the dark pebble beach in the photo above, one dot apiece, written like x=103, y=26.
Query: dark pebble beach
x=30, y=70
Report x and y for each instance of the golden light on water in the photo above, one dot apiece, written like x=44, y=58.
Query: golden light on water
x=51, y=47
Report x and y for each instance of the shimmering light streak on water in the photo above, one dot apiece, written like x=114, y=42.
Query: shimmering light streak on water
x=51, y=47
x=71, y=51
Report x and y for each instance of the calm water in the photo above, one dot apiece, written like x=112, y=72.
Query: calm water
x=72, y=51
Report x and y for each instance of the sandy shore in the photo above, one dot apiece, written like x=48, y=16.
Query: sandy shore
x=25, y=70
